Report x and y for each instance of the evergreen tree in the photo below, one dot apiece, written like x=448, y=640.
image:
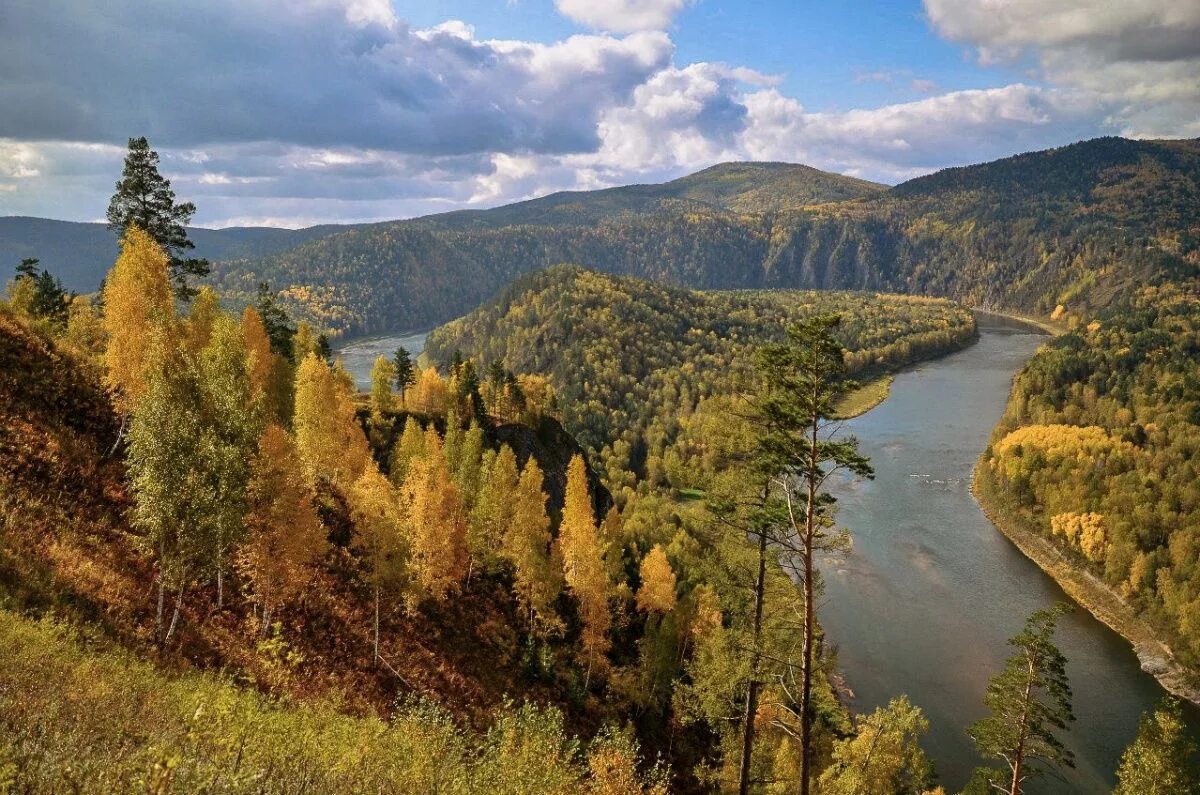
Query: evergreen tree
x=1030, y=701
x=144, y=199
x=275, y=320
x=526, y=547
x=583, y=564
x=48, y=299
x=1161, y=760
x=138, y=306
x=406, y=372
x=285, y=539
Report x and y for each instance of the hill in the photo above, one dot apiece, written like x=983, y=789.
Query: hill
x=1075, y=226
x=632, y=359
x=81, y=253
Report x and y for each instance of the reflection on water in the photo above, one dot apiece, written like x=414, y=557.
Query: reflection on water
x=929, y=595
x=359, y=355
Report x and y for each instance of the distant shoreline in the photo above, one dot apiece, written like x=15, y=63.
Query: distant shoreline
x=1095, y=596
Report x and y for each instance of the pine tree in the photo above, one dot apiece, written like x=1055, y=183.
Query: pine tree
x=406, y=374
x=657, y=591
x=1030, y=701
x=436, y=520
x=285, y=539
x=1161, y=760
x=278, y=325
x=410, y=447
x=47, y=298
x=144, y=199
x=583, y=564
x=526, y=547
x=138, y=306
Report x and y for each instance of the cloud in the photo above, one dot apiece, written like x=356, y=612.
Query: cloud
x=1142, y=58
x=621, y=16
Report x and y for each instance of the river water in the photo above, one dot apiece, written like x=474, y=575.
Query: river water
x=358, y=355
x=925, y=602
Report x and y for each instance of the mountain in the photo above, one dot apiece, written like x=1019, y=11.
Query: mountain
x=81, y=253
x=1077, y=226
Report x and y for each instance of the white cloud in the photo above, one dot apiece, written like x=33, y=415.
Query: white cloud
x=1143, y=57
x=621, y=16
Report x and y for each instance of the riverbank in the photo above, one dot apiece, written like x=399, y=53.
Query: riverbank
x=1090, y=592
x=1028, y=321
x=866, y=397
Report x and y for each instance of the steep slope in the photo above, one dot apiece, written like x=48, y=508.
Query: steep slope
x=1075, y=226
x=80, y=253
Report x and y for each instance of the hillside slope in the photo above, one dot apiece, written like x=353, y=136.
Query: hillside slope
x=1074, y=226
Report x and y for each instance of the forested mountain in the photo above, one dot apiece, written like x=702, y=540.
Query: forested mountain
x=631, y=360
x=80, y=253
x=1072, y=226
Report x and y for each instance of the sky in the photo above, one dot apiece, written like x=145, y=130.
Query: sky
x=296, y=112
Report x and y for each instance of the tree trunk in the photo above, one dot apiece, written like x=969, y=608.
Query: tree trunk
x=752, y=689
x=376, y=660
x=220, y=583
x=174, y=616
x=810, y=531
x=1019, y=755
x=158, y=616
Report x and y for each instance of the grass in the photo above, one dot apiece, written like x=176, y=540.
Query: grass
x=865, y=398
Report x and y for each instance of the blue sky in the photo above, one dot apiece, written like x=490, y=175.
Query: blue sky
x=292, y=112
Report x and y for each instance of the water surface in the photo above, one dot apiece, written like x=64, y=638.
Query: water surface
x=932, y=591
x=358, y=355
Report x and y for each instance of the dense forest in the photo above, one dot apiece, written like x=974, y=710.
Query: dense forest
x=631, y=360
x=1098, y=451
x=1075, y=226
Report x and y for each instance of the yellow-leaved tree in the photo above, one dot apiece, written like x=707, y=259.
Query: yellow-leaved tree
x=285, y=539
x=258, y=355
x=583, y=565
x=138, y=307
x=537, y=581
x=379, y=524
x=206, y=306
x=331, y=443
x=494, y=508
x=436, y=520
x=657, y=591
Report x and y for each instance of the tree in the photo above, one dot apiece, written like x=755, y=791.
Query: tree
x=259, y=359
x=493, y=511
x=206, y=306
x=406, y=373
x=330, y=441
x=285, y=539
x=657, y=591
x=583, y=564
x=137, y=307
x=144, y=199
x=171, y=495
x=1030, y=700
x=278, y=325
x=884, y=757
x=527, y=548
x=47, y=298
x=378, y=521
x=410, y=447
x=382, y=400
x=436, y=521
x=1161, y=760
x=794, y=453
x=231, y=426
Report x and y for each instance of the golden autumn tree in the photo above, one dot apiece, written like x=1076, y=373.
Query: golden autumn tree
x=258, y=353
x=206, y=306
x=583, y=564
x=430, y=394
x=493, y=511
x=657, y=591
x=285, y=539
x=437, y=522
x=379, y=525
x=536, y=580
x=330, y=441
x=383, y=401
x=138, y=305
x=410, y=447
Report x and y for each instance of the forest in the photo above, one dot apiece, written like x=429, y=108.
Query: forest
x=1078, y=226
x=629, y=361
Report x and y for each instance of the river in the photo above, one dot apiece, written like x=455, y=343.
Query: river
x=358, y=355
x=925, y=602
